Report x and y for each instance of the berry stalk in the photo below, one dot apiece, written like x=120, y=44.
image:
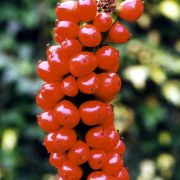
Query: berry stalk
x=81, y=80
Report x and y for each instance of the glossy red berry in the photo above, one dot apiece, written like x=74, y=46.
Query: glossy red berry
x=118, y=33
x=109, y=86
x=69, y=86
x=120, y=148
x=51, y=49
x=64, y=139
x=79, y=153
x=99, y=175
x=67, y=11
x=66, y=29
x=46, y=74
x=107, y=57
x=49, y=143
x=69, y=171
x=87, y=10
x=90, y=36
x=96, y=158
x=95, y=137
x=103, y=21
x=89, y=83
x=93, y=112
x=47, y=122
x=115, y=68
x=82, y=64
x=123, y=175
x=69, y=47
x=131, y=10
x=67, y=114
x=57, y=38
x=113, y=163
x=56, y=159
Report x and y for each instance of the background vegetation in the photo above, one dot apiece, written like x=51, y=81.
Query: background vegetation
x=147, y=108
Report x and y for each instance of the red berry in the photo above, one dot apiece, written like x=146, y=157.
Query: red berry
x=79, y=153
x=66, y=29
x=49, y=143
x=131, y=10
x=56, y=159
x=115, y=68
x=118, y=33
x=96, y=158
x=69, y=47
x=52, y=49
x=59, y=62
x=107, y=57
x=47, y=122
x=82, y=64
x=69, y=86
x=89, y=83
x=93, y=112
x=123, y=175
x=109, y=86
x=67, y=11
x=99, y=175
x=95, y=137
x=120, y=148
x=58, y=39
x=69, y=171
x=46, y=74
x=103, y=21
x=87, y=10
x=90, y=36
x=67, y=114
x=64, y=139
x=113, y=163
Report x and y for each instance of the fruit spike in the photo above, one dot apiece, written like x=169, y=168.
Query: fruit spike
x=80, y=82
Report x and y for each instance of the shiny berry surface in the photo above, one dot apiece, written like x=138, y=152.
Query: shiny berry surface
x=120, y=148
x=79, y=153
x=118, y=33
x=123, y=174
x=88, y=84
x=87, y=10
x=67, y=11
x=66, y=29
x=67, y=114
x=82, y=64
x=90, y=36
x=131, y=10
x=49, y=143
x=64, y=139
x=69, y=171
x=56, y=159
x=98, y=175
x=102, y=21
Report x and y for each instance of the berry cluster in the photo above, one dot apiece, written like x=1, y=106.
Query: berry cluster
x=80, y=81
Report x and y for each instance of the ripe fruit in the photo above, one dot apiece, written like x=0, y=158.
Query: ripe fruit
x=113, y=163
x=46, y=74
x=82, y=64
x=120, y=148
x=47, y=122
x=64, y=139
x=67, y=114
x=87, y=10
x=98, y=175
x=102, y=21
x=96, y=158
x=93, y=112
x=49, y=143
x=90, y=36
x=131, y=10
x=118, y=33
x=109, y=86
x=107, y=57
x=56, y=159
x=66, y=29
x=69, y=171
x=69, y=86
x=79, y=153
x=67, y=11
x=89, y=83
x=123, y=175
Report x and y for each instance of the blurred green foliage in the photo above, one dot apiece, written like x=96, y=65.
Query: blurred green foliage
x=147, y=108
